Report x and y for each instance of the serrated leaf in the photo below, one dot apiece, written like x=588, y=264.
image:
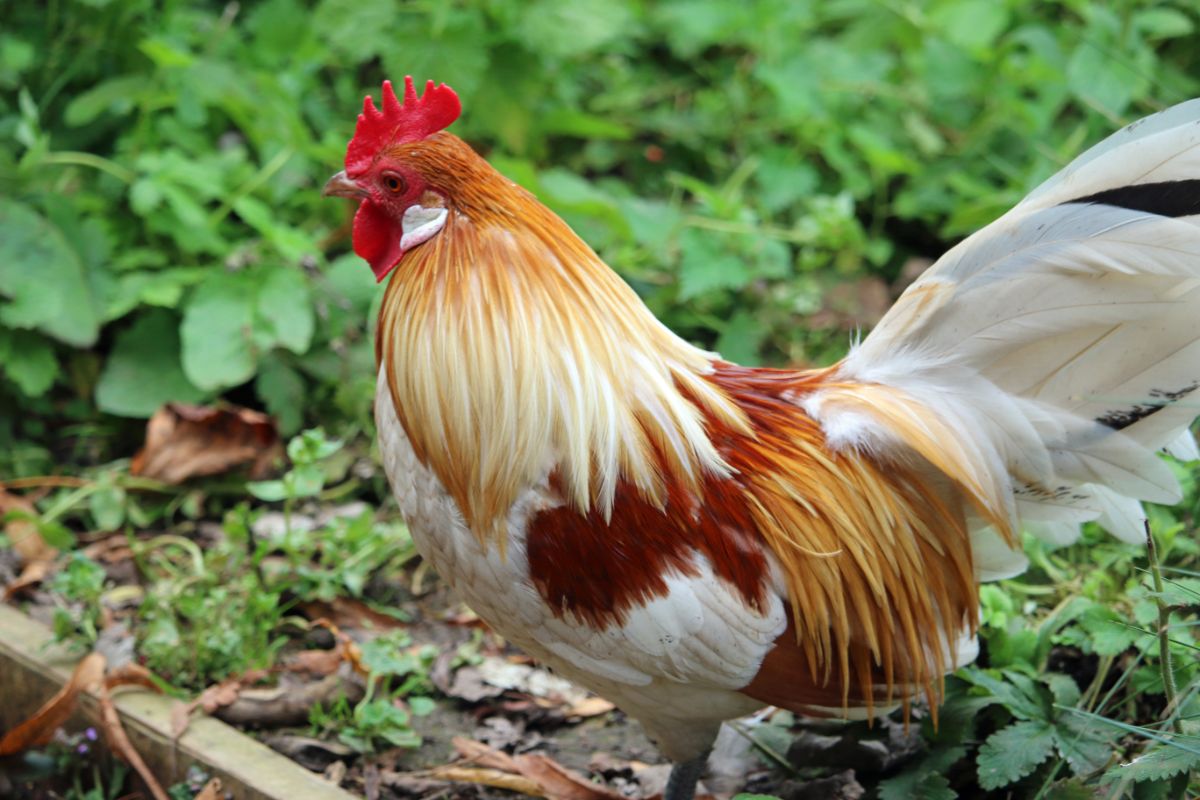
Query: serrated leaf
x=1063, y=687
x=1024, y=702
x=917, y=786
x=1072, y=789
x=1014, y=752
x=1086, y=744
x=143, y=371
x=1158, y=763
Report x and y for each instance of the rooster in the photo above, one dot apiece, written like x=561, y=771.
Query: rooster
x=694, y=539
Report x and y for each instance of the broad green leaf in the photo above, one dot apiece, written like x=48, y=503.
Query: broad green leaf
x=143, y=371
x=107, y=506
x=917, y=786
x=216, y=333
x=1085, y=743
x=285, y=305
x=282, y=390
x=561, y=28
x=1096, y=76
x=707, y=265
x=1013, y=752
x=971, y=24
x=43, y=280
x=27, y=359
x=740, y=338
x=1158, y=762
x=117, y=95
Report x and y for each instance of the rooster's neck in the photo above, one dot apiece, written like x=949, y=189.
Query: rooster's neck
x=512, y=351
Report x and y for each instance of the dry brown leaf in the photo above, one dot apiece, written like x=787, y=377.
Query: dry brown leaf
x=186, y=441
x=33, y=574
x=131, y=674
x=590, y=707
x=211, y=791
x=118, y=742
x=349, y=649
x=23, y=535
x=317, y=662
x=346, y=612
x=553, y=780
x=560, y=783
x=487, y=777
x=212, y=698
x=40, y=728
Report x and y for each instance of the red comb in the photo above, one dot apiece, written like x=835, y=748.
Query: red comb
x=415, y=119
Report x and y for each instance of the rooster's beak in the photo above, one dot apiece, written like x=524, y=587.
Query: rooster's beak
x=341, y=186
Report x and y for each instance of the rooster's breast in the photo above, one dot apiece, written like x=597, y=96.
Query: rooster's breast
x=672, y=661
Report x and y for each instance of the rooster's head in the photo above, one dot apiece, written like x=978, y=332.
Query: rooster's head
x=401, y=205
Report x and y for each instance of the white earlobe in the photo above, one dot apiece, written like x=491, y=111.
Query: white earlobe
x=419, y=224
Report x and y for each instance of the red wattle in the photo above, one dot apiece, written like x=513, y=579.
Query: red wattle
x=377, y=239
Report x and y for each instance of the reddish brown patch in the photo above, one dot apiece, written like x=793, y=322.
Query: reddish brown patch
x=599, y=570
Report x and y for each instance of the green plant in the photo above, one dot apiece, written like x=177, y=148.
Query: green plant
x=78, y=587
x=206, y=615
x=396, y=670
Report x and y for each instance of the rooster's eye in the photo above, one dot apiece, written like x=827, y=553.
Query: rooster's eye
x=394, y=183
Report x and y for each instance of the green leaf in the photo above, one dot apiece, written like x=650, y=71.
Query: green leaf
x=1013, y=752
x=1085, y=743
x=107, y=506
x=285, y=307
x=1157, y=763
x=917, y=786
x=143, y=371
x=43, y=279
x=1023, y=701
x=1096, y=76
x=741, y=337
x=216, y=333
x=971, y=24
x=28, y=361
x=282, y=390
x=118, y=95
x=707, y=266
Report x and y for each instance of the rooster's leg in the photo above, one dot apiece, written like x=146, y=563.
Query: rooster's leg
x=684, y=777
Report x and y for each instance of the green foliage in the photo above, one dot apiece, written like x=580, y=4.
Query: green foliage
x=162, y=235
x=206, y=615
x=397, y=670
x=79, y=586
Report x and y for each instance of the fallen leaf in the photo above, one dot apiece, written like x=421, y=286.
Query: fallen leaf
x=212, y=698
x=118, y=742
x=40, y=728
x=34, y=573
x=131, y=674
x=487, y=777
x=560, y=783
x=317, y=662
x=211, y=791
x=186, y=441
x=346, y=612
x=590, y=707
x=22, y=533
x=551, y=779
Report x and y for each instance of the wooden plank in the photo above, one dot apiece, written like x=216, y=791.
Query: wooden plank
x=32, y=669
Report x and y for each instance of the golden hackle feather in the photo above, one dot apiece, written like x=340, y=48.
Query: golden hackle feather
x=511, y=348
x=511, y=351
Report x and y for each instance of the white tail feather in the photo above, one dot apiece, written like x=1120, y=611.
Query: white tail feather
x=1063, y=339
